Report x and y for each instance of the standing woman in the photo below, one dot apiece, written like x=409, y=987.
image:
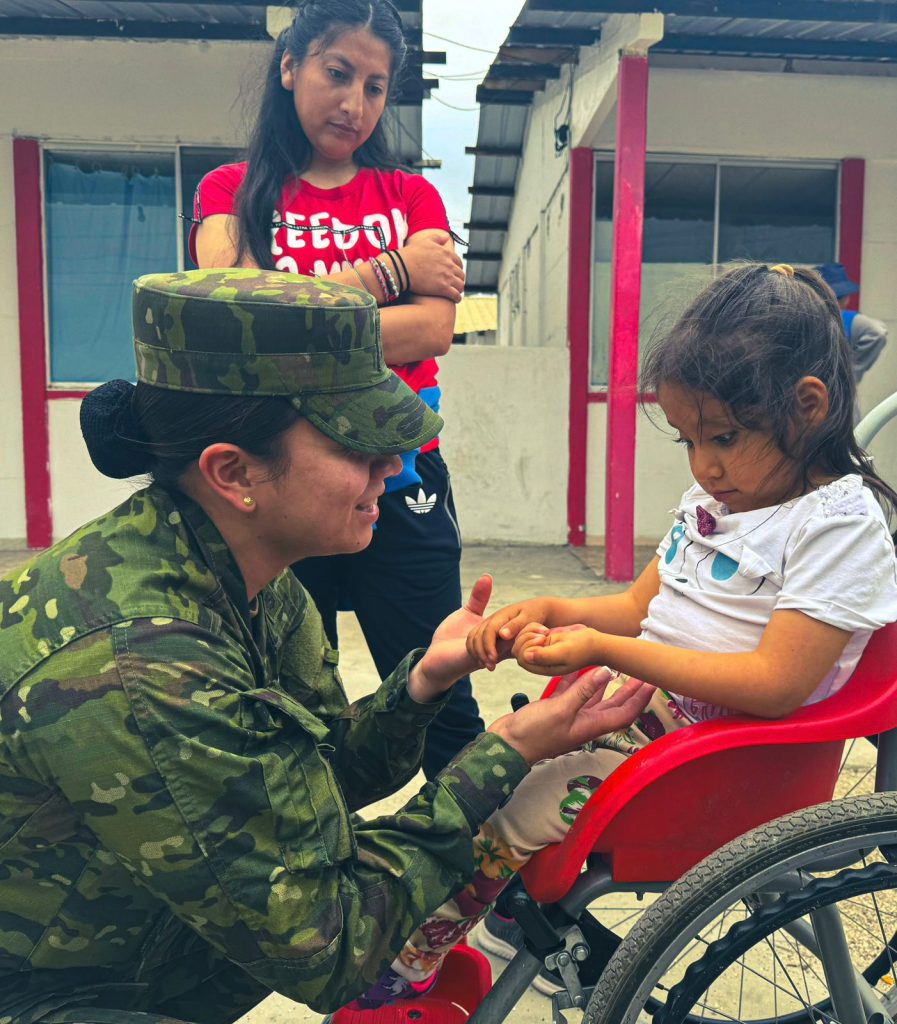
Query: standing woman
x=319, y=173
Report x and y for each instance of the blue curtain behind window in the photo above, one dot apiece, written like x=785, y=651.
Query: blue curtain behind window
x=109, y=220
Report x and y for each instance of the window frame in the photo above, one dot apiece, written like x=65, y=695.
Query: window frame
x=598, y=392
x=78, y=389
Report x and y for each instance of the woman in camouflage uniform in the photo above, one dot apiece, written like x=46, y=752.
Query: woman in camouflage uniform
x=179, y=766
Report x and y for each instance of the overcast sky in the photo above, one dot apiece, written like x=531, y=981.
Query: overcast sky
x=481, y=26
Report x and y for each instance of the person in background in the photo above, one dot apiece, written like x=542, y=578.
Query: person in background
x=866, y=336
x=319, y=194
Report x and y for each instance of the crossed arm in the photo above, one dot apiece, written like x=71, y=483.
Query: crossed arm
x=420, y=328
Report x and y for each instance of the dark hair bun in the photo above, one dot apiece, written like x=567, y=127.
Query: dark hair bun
x=111, y=432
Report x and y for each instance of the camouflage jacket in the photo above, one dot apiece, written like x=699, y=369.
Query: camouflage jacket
x=171, y=764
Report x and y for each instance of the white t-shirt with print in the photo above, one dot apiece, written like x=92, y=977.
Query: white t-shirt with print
x=827, y=554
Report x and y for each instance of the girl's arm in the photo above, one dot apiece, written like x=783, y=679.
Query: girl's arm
x=420, y=329
x=620, y=614
x=794, y=655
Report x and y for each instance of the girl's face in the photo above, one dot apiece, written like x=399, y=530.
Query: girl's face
x=742, y=468
x=326, y=501
x=339, y=92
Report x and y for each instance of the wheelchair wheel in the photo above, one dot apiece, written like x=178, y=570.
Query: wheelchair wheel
x=794, y=921
x=620, y=912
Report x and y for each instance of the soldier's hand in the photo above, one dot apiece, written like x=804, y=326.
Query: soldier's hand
x=447, y=658
x=547, y=728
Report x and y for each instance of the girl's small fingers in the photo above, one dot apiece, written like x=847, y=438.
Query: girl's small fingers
x=513, y=625
x=544, y=657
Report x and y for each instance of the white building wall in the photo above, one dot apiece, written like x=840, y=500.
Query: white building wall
x=12, y=481
x=96, y=91
x=505, y=441
x=533, y=283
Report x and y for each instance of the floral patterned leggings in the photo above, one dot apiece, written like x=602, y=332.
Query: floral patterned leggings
x=540, y=812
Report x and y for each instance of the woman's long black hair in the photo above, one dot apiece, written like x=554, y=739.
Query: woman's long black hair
x=747, y=340
x=279, y=149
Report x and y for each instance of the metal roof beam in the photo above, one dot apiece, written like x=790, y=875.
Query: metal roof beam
x=405, y=6
x=479, y=289
x=92, y=27
x=767, y=10
x=512, y=72
x=509, y=151
x=778, y=46
x=523, y=35
x=492, y=191
x=505, y=97
x=427, y=57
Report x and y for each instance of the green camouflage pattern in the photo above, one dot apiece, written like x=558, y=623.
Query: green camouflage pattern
x=251, y=332
x=179, y=782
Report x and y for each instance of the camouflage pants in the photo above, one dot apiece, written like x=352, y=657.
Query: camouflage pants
x=199, y=988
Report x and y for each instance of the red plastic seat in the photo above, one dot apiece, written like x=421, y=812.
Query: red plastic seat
x=464, y=980
x=690, y=792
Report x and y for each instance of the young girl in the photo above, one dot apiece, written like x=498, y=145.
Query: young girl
x=762, y=596
x=342, y=211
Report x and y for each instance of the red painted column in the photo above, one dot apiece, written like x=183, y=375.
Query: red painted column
x=626, y=286
x=850, y=250
x=32, y=341
x=579, y=334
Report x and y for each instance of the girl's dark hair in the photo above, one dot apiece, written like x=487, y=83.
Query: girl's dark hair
x=279, y=148
x=131, y=431
x=746, y=340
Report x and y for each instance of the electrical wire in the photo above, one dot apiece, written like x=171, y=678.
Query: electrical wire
x=417, y=143
x=451, y=106
x=464, y=46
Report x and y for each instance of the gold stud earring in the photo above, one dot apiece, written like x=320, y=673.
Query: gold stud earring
x=248, y=502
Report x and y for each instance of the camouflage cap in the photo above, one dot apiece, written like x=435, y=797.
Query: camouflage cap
x=258, y=332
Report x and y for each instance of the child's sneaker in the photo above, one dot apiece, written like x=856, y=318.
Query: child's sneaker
x=503, y=937
x=499, y=935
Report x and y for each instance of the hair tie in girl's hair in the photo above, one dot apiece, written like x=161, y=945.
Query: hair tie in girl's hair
x=111, y=433
x=782, y=268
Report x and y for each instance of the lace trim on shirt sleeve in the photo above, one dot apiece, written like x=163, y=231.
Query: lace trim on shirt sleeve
x=843, y=497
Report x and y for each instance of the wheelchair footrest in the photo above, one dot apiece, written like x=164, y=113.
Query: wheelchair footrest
x=463, y=982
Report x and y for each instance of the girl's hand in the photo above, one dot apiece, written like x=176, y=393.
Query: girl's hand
x=433, y=265
x=534, y=634
x=447, y=658
x=548, y=728
x=484, y=642
x=561, y=651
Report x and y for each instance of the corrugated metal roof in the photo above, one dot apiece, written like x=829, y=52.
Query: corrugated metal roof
x=862, y=34
x=476, y=313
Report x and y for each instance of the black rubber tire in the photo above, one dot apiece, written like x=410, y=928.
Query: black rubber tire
x=675, y=912
x=721, y=954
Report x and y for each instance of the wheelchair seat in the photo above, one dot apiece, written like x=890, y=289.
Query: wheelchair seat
x=690, y=792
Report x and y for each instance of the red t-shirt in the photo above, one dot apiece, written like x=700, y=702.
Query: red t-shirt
x=396, y=203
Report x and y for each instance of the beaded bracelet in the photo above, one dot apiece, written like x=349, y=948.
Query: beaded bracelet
x=395, y=266
x=377, y=267
x=394, y=290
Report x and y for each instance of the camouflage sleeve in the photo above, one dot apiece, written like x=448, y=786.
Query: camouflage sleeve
x=378, y=740
x=218, y=796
